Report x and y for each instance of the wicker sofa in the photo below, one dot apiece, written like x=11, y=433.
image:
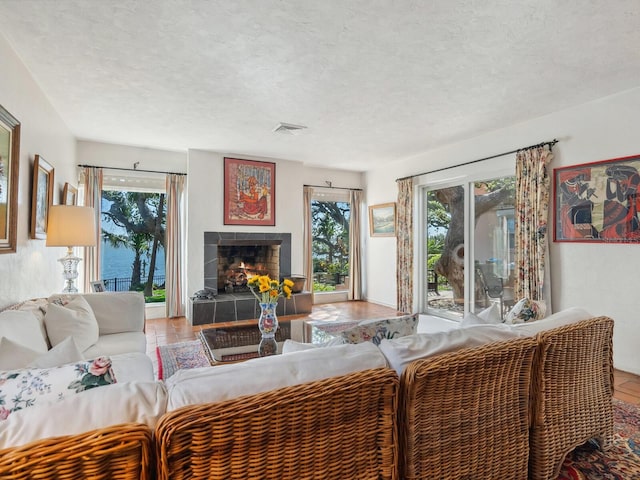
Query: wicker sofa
x=495, y=411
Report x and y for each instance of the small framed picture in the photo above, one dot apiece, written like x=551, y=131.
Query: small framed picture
x=98, y=286
x=382, y=220
x=41, y=196
x=69, y=194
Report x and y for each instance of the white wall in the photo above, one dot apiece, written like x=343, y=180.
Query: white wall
x=122, y=156
x=33, y=271
x=601, y=278
x=205, y=205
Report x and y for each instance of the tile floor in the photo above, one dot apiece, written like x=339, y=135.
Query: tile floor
x=163, y=331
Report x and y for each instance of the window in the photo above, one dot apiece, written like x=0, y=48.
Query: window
x=133, y=226
x=330, y=215
x=469, y=244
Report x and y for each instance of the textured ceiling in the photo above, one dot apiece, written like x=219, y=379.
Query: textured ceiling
x=372, y=80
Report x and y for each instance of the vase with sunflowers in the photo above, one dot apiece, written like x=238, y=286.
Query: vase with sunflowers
x=268, y=291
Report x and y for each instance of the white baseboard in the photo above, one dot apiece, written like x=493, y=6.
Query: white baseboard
x=155, y=310
x=330, y=297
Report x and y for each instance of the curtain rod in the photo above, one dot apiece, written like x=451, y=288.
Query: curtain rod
x=331, y=186
x=542, y=144
x=131, y=169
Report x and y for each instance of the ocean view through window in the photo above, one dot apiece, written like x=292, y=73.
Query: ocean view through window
x=132, y=246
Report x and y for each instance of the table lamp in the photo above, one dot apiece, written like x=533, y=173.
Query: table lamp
x=71, y=226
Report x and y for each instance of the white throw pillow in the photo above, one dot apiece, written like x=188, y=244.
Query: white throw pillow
x=24, y=328
x=135, y=402
x=65, y=352
x=488, y=316
x=14, y=356
x=73, y=318
x=215, y=384
x=293, y=346
x=402, y=351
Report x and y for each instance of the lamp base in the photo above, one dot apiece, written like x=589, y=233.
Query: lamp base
x=70, y=270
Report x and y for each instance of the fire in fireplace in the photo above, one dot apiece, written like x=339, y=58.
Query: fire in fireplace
x=238, y=263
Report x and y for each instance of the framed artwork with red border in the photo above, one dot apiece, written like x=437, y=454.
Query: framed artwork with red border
x=249, y=192
x=598, y=201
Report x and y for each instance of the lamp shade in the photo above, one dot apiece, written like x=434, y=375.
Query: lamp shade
x=71, y=226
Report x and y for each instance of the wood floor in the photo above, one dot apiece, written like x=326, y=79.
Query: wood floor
x=163, y=331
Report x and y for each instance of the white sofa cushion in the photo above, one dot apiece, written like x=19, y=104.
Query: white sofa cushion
x=73, y=317
x=214, y=384
x=132, y=367
x=290, y=346
x=558, y=319
x=23, y=328
x=137, y=402
x=65, y=352
x=14, y=356
x=117, y=343
x=404, y=350
x=117, y=312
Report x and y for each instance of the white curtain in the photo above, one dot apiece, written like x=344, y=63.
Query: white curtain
x=91, y=178
x=175, y=243
x=355, y=247
x=308, y=238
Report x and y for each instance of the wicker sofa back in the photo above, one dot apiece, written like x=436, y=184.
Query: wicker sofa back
x=466, y=414
x=341, y=427
x=572, y=393
x=124, y=452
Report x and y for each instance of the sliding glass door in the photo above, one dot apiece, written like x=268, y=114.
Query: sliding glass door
x=469, y=243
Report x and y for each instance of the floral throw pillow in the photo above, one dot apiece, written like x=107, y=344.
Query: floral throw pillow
x=526, y=310
x=377, y=330
x=25, y=388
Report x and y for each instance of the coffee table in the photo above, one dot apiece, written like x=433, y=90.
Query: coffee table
x=239, y=340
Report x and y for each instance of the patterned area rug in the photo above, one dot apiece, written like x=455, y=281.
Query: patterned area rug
x=177, y=356
x=621, y=462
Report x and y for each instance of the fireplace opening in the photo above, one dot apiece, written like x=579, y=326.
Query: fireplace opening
x=238, y=263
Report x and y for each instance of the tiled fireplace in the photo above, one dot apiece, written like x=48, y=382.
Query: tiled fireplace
x=230, y=258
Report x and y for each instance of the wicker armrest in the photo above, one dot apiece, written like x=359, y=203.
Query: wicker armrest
x=341, y=427
x=120, y=451
x=465, y=414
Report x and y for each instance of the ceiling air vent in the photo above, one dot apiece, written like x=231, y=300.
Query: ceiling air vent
x=288, y=128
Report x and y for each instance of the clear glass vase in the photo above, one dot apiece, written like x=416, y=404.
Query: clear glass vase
x=268, y=325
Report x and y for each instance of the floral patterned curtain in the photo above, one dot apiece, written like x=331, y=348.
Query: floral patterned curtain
x=404, y=251
x=532, y=211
